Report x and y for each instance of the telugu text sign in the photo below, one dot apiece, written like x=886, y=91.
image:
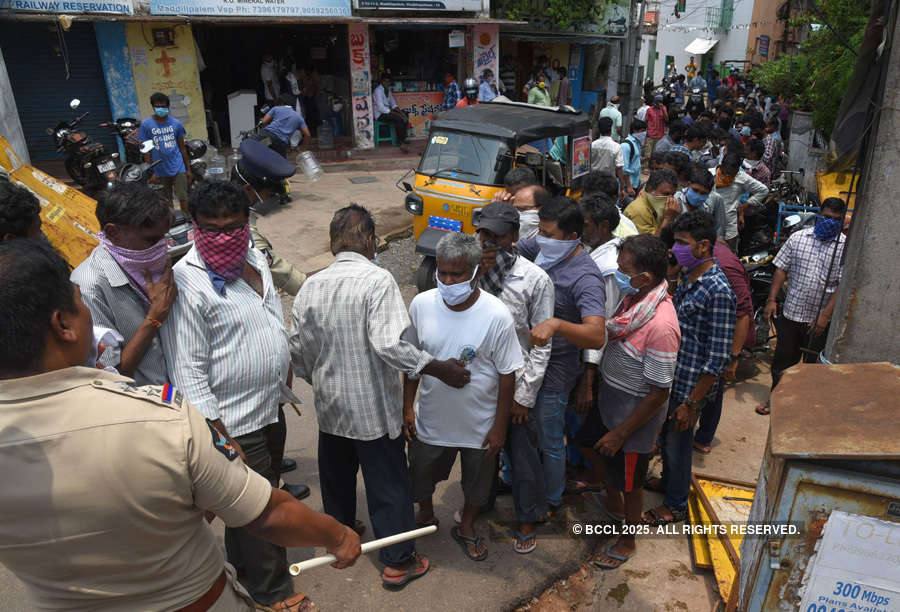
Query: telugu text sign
x=361, y=86
x=262, y=8
x=421, y=107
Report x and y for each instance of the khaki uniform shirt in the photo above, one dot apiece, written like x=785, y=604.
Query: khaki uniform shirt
x=104, y=491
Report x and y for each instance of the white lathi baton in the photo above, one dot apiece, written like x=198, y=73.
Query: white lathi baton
x=368, y=547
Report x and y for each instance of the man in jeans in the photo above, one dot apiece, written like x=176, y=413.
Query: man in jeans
x=579, y=322
x=812, y=259
x=281, y=122
x=528, y=293
x=706, y=308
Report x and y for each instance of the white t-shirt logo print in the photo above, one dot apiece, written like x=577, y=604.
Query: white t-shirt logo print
x=468, y=354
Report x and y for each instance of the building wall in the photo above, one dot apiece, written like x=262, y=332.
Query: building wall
x=10, y=126
x=673, y=35
x=764, y=23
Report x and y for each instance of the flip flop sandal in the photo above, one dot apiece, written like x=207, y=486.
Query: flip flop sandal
x=656, y=520
x=702, y=448
x=582, y=486
x=764, y=409
x=298, y=602
x=609, y=566
x=433, y=521
x=521, y=544
x=418, y=569
x=464, y=543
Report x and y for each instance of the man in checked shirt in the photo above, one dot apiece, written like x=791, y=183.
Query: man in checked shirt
x=347, y=322
x=706, y=308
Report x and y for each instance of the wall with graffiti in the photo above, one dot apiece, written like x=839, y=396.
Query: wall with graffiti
x=361, y=86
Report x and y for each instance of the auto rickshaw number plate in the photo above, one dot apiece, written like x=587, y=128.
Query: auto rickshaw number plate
x=441, y=223
x=441, y=140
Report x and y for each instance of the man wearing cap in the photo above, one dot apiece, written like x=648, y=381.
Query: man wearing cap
x=528, y=293
x=227, y=351
x=281, y=122
x=106, y=484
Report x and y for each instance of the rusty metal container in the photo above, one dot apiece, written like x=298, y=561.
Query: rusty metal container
x=834, y=444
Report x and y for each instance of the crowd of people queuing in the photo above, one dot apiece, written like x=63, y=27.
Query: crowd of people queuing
x=566, y=343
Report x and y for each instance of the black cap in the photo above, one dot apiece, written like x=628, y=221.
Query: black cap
x=260, y=165
x=497, y=217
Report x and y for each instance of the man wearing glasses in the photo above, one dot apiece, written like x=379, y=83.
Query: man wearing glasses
x=229, y=356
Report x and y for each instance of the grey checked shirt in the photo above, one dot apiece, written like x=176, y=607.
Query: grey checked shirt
x=806, y=259
x=347, y=322
x=116, y=304
x=529, y=295
x=227, y=353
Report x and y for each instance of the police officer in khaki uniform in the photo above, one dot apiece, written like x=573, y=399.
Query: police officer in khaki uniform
x=105, y=485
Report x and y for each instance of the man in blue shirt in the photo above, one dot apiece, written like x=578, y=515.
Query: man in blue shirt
x=281, y=122
x=578, y=322
x=707, y=310
x=487, y=91
x=167, y=134
x=452, y=93
x=631, y=155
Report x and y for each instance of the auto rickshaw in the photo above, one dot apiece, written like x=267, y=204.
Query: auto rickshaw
x=469, y=152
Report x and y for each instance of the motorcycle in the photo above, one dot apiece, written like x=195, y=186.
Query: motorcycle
x=695, y=104
x=140, y=171
x=87, y=162
x=126, y=128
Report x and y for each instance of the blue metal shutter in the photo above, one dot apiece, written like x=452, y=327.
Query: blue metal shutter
x=37, y=73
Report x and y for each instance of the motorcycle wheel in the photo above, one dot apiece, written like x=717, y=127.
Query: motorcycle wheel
x=78, y=174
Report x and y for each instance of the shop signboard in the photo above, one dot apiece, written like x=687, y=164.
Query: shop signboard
x=486, y=39
x=267, y=8
x=764, y=45
x=421, y=107
x=171, y=70
x=118, y=7
x=419, y=5
x=361, y=86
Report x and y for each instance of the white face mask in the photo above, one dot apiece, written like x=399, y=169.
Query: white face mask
x=528, y=223
x=457, y=293
x=750, y=164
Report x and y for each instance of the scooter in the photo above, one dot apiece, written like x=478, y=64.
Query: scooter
x=87, y=162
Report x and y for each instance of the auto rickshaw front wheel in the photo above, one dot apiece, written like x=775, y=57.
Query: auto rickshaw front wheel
x=425, y=274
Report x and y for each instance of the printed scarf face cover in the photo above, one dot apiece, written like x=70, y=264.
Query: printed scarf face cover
x=223, y=252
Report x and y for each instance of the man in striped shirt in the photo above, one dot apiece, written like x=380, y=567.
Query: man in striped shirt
x=638, y=368
x=227, y=351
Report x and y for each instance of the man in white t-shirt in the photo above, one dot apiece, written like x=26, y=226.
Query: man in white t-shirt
x=268, y=73
x=460, y=321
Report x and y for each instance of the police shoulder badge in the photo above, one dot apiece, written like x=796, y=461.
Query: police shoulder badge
x=222, y=444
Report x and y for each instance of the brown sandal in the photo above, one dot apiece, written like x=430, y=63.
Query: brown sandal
x=298, y=602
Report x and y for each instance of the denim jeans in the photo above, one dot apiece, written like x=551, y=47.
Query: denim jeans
x=551, y=414
x=529, y=492
x=574, y=421
x=709, y=418
x=677, y=455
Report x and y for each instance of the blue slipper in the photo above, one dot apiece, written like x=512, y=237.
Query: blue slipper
x=608, y=552
x=523, y=540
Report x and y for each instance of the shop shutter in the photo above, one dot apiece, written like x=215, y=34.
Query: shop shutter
x=37, y=73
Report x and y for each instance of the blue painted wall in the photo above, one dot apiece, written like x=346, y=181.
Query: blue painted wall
x=576, y=73
x=116, y=60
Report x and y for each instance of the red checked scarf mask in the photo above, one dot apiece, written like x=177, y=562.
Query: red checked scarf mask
x=223, y=252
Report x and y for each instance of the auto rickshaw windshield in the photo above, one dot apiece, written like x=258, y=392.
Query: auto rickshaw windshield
x=470, y=158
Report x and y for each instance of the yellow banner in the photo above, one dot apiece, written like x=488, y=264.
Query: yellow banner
x=171, y=70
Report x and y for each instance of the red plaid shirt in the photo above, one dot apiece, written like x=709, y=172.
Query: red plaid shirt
x=656, y=121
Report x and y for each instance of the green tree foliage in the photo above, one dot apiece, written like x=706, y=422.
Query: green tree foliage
x=561, y=15
x=815, y=78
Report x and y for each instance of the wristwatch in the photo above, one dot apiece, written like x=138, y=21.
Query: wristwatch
x=692, y=404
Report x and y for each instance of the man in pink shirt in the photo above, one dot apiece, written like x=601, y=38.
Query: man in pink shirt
x=656, y=119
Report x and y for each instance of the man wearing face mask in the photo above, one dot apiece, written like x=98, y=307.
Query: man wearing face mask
x=452, y=93
x=706, y=308
x=227, y=351
x=127, y=281
x=167, y=134
x=579, y=319
x=539, y=94
x=631, y=156
x=656, y=206
x=699, y=195
x=753, y=163
x=528, y=202
x=528, y=293
x=812, y=260
x=612, y=111
x=731, y=184
x=460, y=321
x=637, y=372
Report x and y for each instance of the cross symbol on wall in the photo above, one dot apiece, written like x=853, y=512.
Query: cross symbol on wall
x=165, y=60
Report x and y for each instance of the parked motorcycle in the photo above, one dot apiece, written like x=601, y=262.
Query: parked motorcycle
x=140, y=171
x=695, y=104
x=126, y=128
x=87, y=162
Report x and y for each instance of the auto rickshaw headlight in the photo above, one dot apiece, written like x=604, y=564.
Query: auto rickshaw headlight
x=414, y=204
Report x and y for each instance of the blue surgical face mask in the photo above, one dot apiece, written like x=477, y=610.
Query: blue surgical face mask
x=456, y=293
x=641, y=137
x=623, y=281
x=161, y=111
x=554, y=251
x=826, y=228
x=697, y=200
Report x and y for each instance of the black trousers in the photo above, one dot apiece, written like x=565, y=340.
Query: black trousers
x=400, y=124
x=388, y=493
x=262, y=566
x=793, y=336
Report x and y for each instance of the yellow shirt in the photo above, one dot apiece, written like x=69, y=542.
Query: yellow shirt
x=691, y=69
x=643, y=214
x=105, y=488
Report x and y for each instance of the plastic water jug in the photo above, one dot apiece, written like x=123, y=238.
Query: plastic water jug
x=309, y=165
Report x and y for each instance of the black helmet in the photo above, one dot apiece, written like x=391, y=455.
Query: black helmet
x=470, y=86
x=196, y=148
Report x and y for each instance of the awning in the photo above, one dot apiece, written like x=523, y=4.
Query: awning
x=556, y=37
x=700, y=46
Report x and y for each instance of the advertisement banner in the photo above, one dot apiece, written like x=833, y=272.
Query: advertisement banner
x=419, y=5
x=361, y=86
x=581, y=156
x=118, y=7
x=170, y=70
x=262, y=8
x=486, y=44
x=420, y=106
